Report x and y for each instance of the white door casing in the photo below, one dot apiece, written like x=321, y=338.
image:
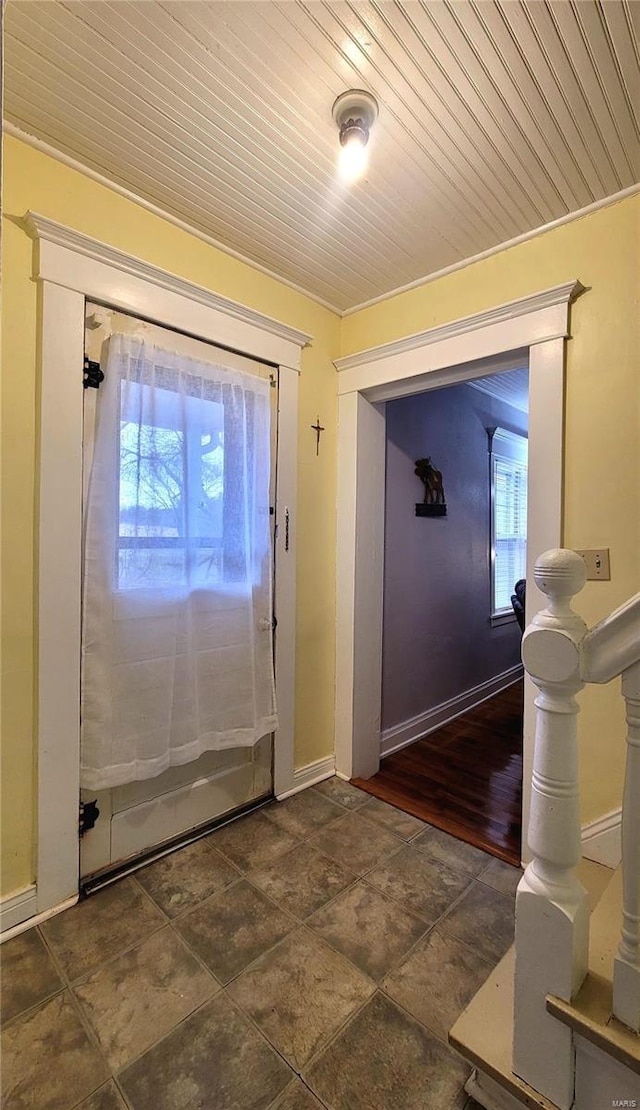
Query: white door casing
x=70, y=267
x=430, y=360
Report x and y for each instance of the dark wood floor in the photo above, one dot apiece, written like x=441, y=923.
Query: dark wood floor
x=465, y=778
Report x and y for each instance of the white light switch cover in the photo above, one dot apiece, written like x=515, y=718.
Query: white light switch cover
x=597, y=562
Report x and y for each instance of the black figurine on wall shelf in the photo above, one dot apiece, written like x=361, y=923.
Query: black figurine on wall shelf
x=434, y=503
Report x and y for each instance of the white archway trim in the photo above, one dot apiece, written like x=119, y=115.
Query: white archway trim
x=69, y=267
x=509, y=327
x=436, y=358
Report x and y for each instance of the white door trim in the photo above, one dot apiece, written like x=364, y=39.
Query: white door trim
x=435, y=358
x=137, y=277
x=69, y=267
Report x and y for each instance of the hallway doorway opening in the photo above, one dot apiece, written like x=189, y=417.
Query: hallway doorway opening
x=537, y=324
x=452, y=691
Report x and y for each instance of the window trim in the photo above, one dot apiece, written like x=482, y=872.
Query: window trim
x=503, y=617
x=509, y=447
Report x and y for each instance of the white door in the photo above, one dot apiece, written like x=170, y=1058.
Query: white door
x=138, y=816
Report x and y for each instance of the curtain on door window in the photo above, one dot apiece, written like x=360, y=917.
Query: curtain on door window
x=177, y=606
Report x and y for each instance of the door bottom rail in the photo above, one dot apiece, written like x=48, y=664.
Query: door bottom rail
x=108, y=875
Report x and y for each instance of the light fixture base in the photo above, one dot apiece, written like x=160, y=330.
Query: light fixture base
x=355, y=104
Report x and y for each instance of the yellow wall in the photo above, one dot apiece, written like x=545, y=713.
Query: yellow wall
x=602, y=504
x=34, y=181
x=602, y=434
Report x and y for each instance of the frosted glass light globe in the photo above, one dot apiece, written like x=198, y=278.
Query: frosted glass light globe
x=353, y=159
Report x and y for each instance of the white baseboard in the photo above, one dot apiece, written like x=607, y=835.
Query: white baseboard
x=22, y=908
x=601, y=839
x=400, y=736
x=17, y=908
x=309, y=775
x=32, y=918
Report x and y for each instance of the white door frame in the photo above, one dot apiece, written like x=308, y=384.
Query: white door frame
x=70, y=267
x=366, y=380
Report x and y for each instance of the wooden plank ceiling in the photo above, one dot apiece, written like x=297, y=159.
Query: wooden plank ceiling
x=495, y=118
x=511, y=387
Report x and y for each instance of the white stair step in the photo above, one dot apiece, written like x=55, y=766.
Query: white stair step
x=590, y=1014
x=483, y=1034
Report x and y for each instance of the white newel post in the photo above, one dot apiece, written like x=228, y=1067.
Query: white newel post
x=552, y=914
x=626, y=969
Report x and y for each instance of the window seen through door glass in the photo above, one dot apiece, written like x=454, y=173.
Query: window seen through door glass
x=171, y=489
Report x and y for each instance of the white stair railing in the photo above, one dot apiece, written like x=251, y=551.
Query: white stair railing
x=552, y=915
x=613, y=648
x=626, y=968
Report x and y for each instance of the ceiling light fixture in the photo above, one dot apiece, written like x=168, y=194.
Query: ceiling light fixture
x=354, y=112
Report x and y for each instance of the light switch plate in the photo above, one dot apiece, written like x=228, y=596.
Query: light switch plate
x=597, y=563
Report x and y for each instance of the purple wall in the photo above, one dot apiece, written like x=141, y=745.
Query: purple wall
x=437, y=638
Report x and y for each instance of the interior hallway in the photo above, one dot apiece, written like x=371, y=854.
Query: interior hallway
x=465, y=777
x=312, y=954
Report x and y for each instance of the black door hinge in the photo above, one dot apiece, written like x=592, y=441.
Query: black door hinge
x=88, y=816
x=92, y=374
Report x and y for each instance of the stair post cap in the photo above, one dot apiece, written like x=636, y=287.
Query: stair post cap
x=560, y=573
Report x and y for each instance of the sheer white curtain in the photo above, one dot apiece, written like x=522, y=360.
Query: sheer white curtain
x=177, y=605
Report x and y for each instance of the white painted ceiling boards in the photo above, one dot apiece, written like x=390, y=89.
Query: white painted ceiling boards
x=496, y=118
x=511, y=387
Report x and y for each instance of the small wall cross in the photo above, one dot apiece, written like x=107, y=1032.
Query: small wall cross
x=317, y=427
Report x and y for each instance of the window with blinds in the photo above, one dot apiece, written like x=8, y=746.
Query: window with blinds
x=508, y=516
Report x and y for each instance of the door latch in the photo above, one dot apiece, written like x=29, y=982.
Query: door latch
x=88, y=816
x=92, y=374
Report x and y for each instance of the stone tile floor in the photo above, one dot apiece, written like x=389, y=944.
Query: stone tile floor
x=312, y=954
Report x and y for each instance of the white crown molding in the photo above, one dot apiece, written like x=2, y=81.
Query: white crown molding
x=73, y=164
x=40, y=227
x=66, y=160
x=548, y=298
x=526, y=237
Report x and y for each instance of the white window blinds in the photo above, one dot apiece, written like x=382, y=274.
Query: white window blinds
x=508, y=516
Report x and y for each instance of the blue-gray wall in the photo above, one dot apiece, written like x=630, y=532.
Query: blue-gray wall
x=437, y=638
